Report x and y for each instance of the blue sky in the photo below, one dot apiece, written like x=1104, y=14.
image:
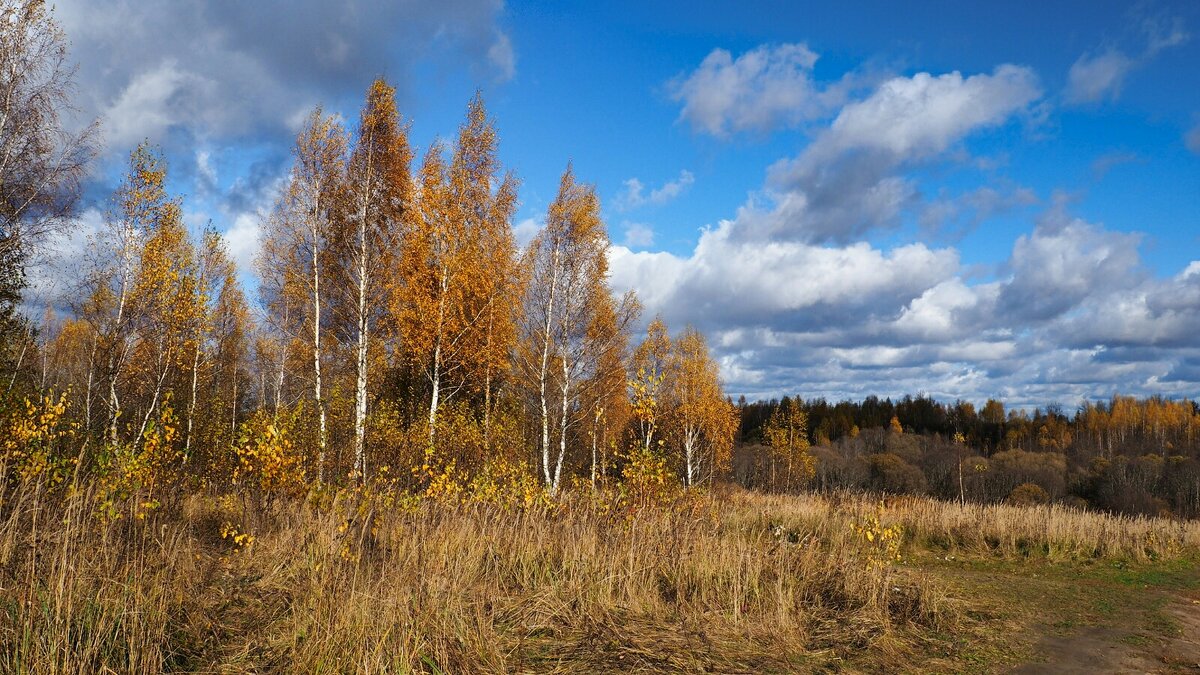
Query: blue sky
x=957, y=199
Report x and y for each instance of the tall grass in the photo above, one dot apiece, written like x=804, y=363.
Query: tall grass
x=735, y=582
x=1053, y=531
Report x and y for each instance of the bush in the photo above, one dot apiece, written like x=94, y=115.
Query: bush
x=1028, y=494
x=890, y=473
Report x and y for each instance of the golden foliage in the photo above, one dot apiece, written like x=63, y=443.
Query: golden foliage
x=267, y=458
x=880, y=544
x=34, y=437
x=137, y=475
x=787, y=435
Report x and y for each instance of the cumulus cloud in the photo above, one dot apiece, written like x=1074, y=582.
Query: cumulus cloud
x=730, y=282
x=236, y=70
x=1076, y=315
x=922, y=115
x=795, y=301
x=635, y=195
x=1061, y=263
x=768, y=87
x=844, y=184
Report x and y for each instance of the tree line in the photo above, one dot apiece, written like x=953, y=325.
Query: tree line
x=1127, y=455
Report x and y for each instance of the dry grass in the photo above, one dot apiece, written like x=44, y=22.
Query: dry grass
x=1052, y=531
x=737, y=582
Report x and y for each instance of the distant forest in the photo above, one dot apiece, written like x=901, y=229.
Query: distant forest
x=1125, y=455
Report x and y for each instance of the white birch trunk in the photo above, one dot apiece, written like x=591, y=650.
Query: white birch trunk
x=316, y=352
x=543, y=374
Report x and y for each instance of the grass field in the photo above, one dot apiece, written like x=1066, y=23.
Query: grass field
x=728, y=581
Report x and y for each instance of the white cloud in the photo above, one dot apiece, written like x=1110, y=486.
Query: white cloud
x=244, y=239
x=932, y=316
x=206, y=173
x=1060, y=264
x=638, y=235
x=1094, y=77
x=763, y=89
x=731, y=282
x=922, y=115
x=843, y=184
x=231, y=70
x=1099, y=75
x=525, y=230
x=502, y=56
x=634, y=195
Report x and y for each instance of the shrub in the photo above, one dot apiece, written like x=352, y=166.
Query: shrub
x=1028, y=494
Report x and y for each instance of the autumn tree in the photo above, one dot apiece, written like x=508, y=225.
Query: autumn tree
x=220, y=353
x=41, y=160
x=787, y=435
x=604, y=401
x=139, y=204
x=460, y=276
x=165, y=304
x=365, y=239
x=701, y=422
x=651, y=359
x=568, y=289
x=294, y=254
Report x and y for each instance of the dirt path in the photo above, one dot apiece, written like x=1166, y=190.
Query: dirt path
x=1167, y=642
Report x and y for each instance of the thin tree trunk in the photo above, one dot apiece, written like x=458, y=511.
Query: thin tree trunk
x=545, y=362
x=87, y=400
x=116, y=359
x=17, y=369
x=962, y=494
x=279, y=382
x=595, y=432
x=158, y=386
x=688, y=449
x=360, y=379
x=321, y=433
x=234, y=405
x=191, y=414
x=436, y=375
x=487, y=382
x=562, y=423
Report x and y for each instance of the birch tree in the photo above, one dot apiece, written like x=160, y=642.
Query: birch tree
x=110, y=287
x=455, y=307
x=42, y=161
x=568, y=290
x=295, y=249
x=701, y=422
x=165, y=304
x=648, y=369
x=367, y=236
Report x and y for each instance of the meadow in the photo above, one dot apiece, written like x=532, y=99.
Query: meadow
x=724, y=580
